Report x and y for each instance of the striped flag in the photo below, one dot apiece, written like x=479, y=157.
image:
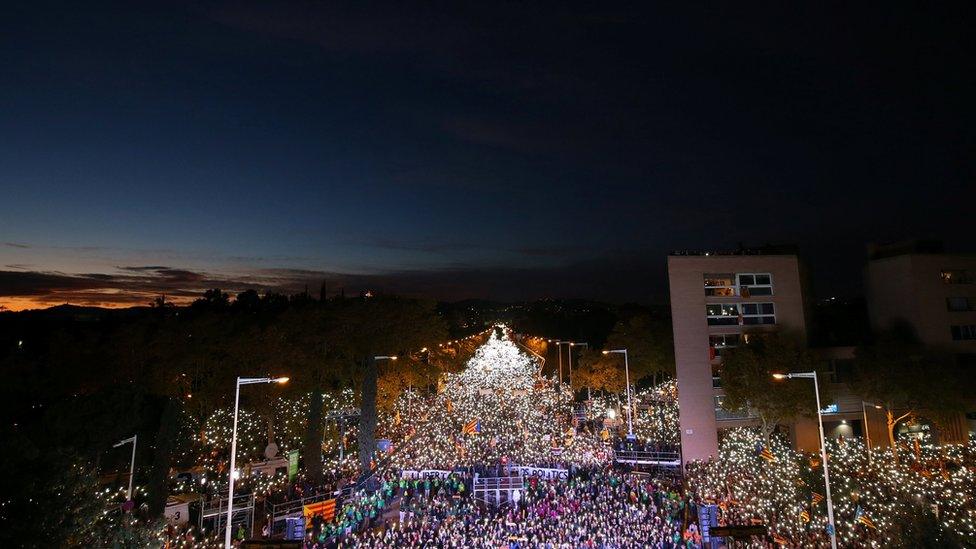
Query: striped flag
x=472, y=428
x=816, y=498
x=805, y=515
x=767, y=455
x=863, y=518
x=326, y=509
x=780, y=539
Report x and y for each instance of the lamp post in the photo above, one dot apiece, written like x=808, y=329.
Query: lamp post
x=233, y=443
x=867, y=430
x=630, y=423
x=559, y=354
x=569, y=366
x=132, y=466
x=831, y=527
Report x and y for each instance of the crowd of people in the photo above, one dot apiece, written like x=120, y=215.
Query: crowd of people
x=592, y=508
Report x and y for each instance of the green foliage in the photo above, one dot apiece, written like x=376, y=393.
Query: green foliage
x=49, y=499
x=747, y=379
x=905, y=377
x=648, y=341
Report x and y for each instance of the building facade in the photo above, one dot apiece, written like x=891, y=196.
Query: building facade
x=918, y=284
x=717, y=301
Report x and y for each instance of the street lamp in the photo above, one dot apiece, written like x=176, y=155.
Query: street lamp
x=569, y=366
x=832, y=530
x=385, y=357
x=233, y=442
x=630, y=423
x=559, y=353
x=132, y=465
x=867, y=430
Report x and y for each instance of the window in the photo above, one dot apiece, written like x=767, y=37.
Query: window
x=719, y=342
x=751, y=284
x=722, y=314
x=957, y=276
x=964, y=332
x=721, y=285
x=758, y=313
x=716, y=377
x=960, y=304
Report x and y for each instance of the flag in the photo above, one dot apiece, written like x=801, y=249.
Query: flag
x=805, y=515
x=472, y=428
x=767, y=455
x=816, y=498
x=862, y=517
x=780, y=539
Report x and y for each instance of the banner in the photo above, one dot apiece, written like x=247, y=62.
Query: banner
x=544, y=473
x=426, y=473
x=292, y=465
x=177, y=513
x=325, y=508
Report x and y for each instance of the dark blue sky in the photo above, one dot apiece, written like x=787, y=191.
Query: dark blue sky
x=489, y=150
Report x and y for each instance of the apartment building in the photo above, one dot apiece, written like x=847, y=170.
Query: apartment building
x=934, y=292
x=717, y=302
x=720, y=300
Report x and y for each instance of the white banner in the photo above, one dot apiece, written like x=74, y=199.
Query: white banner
x=426, y=473
x=544, y=473
x=177, y=513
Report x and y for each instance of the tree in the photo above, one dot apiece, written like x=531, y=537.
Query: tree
x=907, y=379
x=650, y=353
x=747, y=379
x=384, y=325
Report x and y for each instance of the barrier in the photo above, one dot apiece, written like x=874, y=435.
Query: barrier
x=660, y=459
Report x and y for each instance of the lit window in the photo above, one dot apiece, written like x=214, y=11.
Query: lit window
x=957, y=276
x=751, y=284
x=722, y=314
x=758, y=313
x=720, y=285
x=719, y=342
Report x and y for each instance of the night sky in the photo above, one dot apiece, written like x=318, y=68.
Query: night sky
x=492, y=150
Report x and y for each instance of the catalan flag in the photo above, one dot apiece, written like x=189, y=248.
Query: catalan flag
x=472, y=428
x=863, y=518
x=780, y=539
x=767, y=455
x=805, y=515
x=816, y=498
x=326, y=509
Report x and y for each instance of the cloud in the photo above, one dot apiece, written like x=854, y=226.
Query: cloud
x=16, y=245
x=633, y=274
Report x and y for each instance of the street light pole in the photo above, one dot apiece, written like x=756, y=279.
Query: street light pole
x=132, y=465
x=832, y=529
x=233, y=444
x=630, y=423
x=559, y=354
x=569, y=369
x=867, y=429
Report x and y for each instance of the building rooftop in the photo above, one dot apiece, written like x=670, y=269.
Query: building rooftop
x=767, y=249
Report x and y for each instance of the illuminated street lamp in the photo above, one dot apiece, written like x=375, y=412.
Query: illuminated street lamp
x=630, y=423
x=233, y=442
x=867, y=430
x=569, y=366
x=831, y=527
x=559, y=353
x=132, y=466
